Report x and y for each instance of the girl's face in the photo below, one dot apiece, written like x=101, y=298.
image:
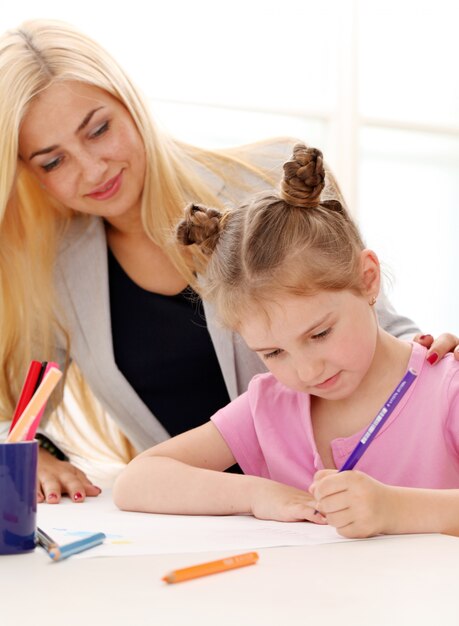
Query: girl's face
x=322, y=345
x=84, y=148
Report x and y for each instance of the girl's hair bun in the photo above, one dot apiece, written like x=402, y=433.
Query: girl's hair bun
x=304, y=177
x=201, y=226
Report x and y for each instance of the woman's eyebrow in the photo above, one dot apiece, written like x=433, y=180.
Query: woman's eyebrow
x=87, y=119
x=43, y=151
x=83, y=124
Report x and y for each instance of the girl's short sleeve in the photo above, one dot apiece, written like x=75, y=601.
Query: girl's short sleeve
x=235, y=422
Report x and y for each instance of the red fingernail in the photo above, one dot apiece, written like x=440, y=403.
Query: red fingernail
x=432, y=358
x=78, y=496
x=423, y=336
x=52, y=496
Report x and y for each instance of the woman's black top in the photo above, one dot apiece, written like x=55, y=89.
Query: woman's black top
x=162, y=346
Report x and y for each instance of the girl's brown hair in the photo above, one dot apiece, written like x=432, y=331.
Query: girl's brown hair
x=299, y=241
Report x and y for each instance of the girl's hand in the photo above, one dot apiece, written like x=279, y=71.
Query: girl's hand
x=282, y=503
x=353, y=502
x=437, y=348
x=58, y=477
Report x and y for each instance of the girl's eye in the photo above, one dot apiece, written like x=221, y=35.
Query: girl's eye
x=322, y=335
x=271, y=355
x=51, y=164
x=100, y=130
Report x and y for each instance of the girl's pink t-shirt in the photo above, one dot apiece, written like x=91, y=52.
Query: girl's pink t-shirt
x=269, y=432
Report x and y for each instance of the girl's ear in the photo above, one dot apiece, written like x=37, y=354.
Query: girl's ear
x=371, y=273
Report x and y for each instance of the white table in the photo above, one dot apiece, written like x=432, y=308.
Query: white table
x=396, y=581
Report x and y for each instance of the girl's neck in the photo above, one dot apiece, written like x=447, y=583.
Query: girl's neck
x=345, y=417
x=388, y=366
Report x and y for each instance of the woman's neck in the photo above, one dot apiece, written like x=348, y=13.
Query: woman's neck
x=143, y=260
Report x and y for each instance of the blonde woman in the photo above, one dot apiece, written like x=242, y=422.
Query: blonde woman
x=89, y=188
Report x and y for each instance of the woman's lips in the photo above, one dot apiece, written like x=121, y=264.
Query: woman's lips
x=108, y=189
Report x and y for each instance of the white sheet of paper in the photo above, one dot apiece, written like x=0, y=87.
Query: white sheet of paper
x=144, y=533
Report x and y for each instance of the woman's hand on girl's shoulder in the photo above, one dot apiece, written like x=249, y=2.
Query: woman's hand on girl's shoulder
x=56, y=478
x=437, y=348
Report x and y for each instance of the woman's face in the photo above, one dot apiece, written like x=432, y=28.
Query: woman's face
x=84, y=148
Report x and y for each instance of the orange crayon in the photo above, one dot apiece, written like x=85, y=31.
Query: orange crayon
x=213, y=567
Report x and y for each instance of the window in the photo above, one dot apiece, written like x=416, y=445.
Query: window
x=373, y=83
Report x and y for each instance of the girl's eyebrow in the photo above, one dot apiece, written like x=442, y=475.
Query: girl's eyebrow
x=317, y=324
x=308, y=331
x=83, y=124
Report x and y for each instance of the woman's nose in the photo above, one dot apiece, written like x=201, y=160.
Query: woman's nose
x=93, y=169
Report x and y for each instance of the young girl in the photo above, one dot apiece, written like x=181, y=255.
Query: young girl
x=290, y=273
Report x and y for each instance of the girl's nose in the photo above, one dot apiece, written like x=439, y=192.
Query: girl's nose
x=309, y=370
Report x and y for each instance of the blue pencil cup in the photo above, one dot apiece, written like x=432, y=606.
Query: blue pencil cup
x=18, y=496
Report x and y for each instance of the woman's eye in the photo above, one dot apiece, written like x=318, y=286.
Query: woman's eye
x=51, y=164
x=322, y=335
x=100, y=130
x=271, y=355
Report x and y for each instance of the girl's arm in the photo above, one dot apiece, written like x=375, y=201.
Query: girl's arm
x=185, y=475
x=360, y=506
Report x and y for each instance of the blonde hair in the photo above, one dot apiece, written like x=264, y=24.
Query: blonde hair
x=299, y=241
x=34, y=56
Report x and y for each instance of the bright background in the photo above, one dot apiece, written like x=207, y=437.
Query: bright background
x=374, y=84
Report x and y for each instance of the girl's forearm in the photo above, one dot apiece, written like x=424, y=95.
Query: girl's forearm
x=423, y=511
x=156, y=484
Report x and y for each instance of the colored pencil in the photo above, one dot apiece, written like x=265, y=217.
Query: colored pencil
x=27, y=391
x=46, y=366
x=49, y=382
x=213, y=567
x=379, y=420
x=45, y=540
x=59, y=553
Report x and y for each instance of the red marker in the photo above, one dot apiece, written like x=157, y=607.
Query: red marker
x=28, y=389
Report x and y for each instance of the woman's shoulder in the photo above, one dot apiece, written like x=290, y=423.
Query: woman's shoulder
x=254, y=167
x=439, y=383
x=80, y=230
x=259, y=167
x=266, y=154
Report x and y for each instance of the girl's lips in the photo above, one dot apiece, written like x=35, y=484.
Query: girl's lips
x=328, y=383
x=109, y=189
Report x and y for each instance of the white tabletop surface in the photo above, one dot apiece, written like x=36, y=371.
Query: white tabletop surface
x=402, y=580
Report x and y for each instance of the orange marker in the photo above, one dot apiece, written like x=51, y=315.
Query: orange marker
x=214, y=567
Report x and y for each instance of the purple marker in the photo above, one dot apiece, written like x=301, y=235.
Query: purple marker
x=379, y=420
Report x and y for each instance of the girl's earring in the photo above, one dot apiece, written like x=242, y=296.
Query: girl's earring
x=372, y=301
